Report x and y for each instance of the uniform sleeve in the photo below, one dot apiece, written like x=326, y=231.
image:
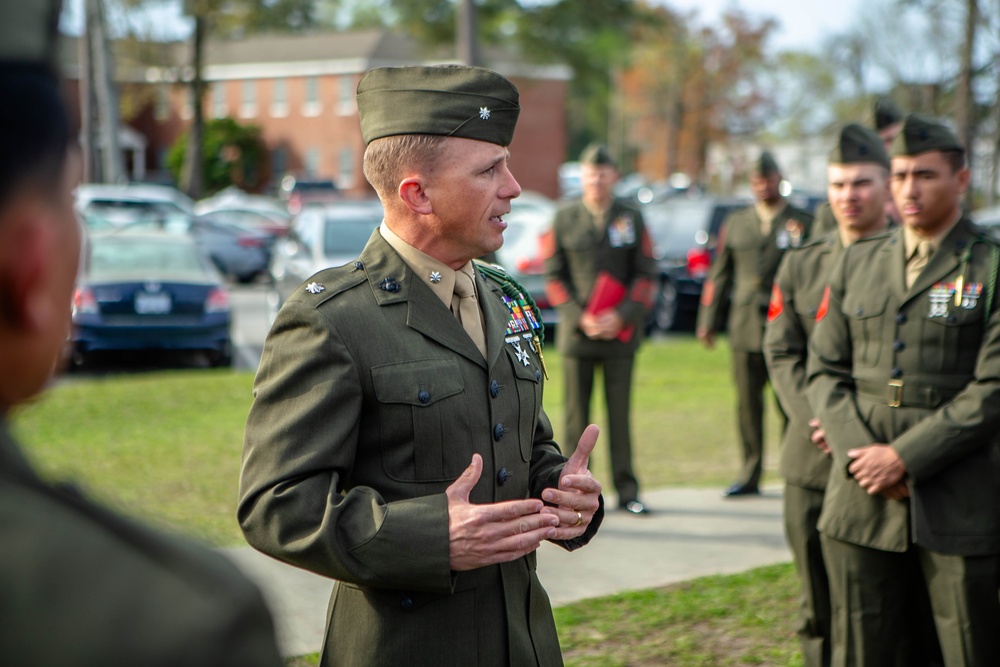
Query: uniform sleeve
x=786, y=345
x=299, y=448
x=718, y=284
x=968, y=422
x=645, y=274
x=558, y=285
x=831, y=390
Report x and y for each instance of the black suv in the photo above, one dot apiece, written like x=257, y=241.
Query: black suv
x=684, y=231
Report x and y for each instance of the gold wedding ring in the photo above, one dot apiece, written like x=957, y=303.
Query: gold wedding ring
x=579, y=520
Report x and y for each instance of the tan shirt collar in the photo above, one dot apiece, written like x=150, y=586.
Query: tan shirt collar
x=911, y=239
x=768, y=213
x=426, y=267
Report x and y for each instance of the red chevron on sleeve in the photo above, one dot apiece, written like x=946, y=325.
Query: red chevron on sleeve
x=824, y=305
x=777, y=304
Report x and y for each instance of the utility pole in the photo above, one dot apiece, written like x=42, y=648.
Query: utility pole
x=99, y=103
x=467, y=42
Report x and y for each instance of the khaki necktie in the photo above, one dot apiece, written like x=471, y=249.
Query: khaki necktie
x=465, y=306
x=917, y=262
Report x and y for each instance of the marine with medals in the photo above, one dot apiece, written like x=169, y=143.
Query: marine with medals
x=904, y=372
x=751, y=243
x=857, y=188
x=600, y=273
x=397, y=441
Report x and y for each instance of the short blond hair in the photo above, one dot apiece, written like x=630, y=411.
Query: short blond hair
x=387, y=158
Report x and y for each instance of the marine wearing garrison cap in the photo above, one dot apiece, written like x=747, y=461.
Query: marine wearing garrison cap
x=857, y=178
x=902, y=369
x=399, y=400
x=81, y=585
x=887, y=113
x=446, y=100
x=597, y=154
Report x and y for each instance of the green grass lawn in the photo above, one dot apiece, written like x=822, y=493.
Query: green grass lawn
x=166, y=446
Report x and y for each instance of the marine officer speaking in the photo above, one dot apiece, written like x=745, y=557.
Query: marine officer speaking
x=397, y=441
x=904, y=371
x=857, y=189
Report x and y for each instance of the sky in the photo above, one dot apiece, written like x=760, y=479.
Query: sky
x=803, y=23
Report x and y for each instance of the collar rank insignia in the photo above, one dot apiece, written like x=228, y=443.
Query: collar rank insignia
x=315, y=288
x=435, y=277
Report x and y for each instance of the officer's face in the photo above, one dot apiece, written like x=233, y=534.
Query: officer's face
x=857, y=194
x=597, y=182
x=927, y=191
x=470, y=188
x=766, y=188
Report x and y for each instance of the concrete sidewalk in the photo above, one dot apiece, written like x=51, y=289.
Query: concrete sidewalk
x=691, y=533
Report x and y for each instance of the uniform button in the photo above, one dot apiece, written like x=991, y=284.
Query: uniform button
x=494, y=389
x=898, y=346
x=896, y=373
x=424, y=397
x=498, y=432
x=812, y=312
x=538, y=375
x=860, y=311
x=502, y=476
x=406, y=603
x=951, y=319
x=901, y=318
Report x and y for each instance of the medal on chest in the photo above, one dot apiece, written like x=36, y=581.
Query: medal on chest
x=965, y=295
x=621, y=232
x=522, y=332
x=790, y=235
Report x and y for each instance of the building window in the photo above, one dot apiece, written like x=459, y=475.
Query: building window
x=346, y=103
x=346, y=160
x=161, y=107
x=312, y=162
x=248, y=108
x=279, y=100
x=313, y=106
x=219, y=109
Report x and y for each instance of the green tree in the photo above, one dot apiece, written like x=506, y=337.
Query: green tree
x=233, y=155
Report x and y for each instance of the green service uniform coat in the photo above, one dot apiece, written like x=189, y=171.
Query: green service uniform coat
x=370, y=400
x=917, y=369
x=744, y=267
x=578, y=250
x=880, y=343
x=81, y=586
x=795, y=299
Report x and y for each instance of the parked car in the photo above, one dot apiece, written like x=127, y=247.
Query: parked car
x=298, y=192
x=236, y=207
x=521, y=254
x=236, y=251
x=321, y=237
x=149, y=291
x=989, y=219
x=684, y=232
x=120, y=204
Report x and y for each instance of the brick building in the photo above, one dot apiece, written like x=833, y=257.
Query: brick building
x=299, y=89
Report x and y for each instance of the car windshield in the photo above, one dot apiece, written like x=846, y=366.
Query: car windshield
x=117, y=257
x=674, y=225
x=347, y=237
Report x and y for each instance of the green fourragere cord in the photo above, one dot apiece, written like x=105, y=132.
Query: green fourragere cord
x=518, y=295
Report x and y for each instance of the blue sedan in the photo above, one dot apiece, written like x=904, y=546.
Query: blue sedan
x=150, y=292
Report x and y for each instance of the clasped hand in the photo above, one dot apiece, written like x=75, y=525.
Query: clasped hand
x=878, y=469
x=487, y=534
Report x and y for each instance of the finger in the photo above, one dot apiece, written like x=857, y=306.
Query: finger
x=577, y=484
x=509, y=510
x=581, y=457
x=462, y=487
x=568, y=518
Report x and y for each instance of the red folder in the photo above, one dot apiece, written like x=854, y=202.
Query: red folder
x=608, y=292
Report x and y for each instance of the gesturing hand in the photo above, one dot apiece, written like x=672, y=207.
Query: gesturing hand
x=577, y=497
x=482, y=535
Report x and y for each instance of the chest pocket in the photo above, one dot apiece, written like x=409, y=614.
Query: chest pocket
x=865, y=314
x=423, y=411
x=528, y=385
x=950, y=335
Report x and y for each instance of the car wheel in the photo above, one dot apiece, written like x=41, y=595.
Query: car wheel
x=223, y=357
x=665, y=310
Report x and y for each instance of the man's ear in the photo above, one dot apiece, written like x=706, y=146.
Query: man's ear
x=27, y=257
x=413, y=193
